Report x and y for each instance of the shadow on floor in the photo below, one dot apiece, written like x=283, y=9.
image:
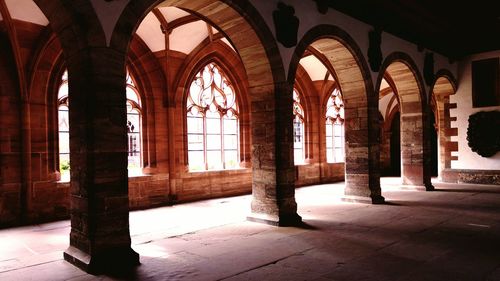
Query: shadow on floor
x=305, y=225
x=390, y=203
x=468, y=190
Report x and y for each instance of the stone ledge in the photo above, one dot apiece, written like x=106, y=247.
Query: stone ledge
x=274, y=220
x=363, y=199
x=429, y=187
x=471, y=176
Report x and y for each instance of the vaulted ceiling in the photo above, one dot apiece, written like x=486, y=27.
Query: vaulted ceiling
x=452, y=28
x=25, y=10
x=186, y=31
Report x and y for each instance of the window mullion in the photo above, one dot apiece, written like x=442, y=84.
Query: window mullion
x=238, y=142
x=205, y=160
x=206, y=92
x=222, y=147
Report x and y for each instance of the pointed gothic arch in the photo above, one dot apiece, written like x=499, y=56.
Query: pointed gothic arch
x=353, y=77
x=415, y=147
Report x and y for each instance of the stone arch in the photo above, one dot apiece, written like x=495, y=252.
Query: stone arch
x=445, y=74
x=306, y=88
x=272, y=163
x=353, y=77
x=409, y=88
x=444, y=86
x=46, y=72
x=76, y=25
x=150, y=81
x=98, y=138
x=233, y=18
x=225, y=58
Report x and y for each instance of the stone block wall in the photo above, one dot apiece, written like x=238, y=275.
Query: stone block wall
x=50, y=201
x=211, y=184
x=148, y=191
x=471, y=176
x=319, y=173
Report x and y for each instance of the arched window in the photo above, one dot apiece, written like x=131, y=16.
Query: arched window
x=63, y=121
x=298, y=129
x=212, y=121
x=133, y=126
x=335, y=128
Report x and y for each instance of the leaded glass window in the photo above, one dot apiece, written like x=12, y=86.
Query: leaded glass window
x=298, y=128
x=63, y=126
x=133, y=126
x=335, y=118
x=212, y=121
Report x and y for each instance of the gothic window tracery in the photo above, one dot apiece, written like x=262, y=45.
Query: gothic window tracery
x=133, y=125
x=63, y=126
x=335, y=128
x=298, y=128
x=212, y=121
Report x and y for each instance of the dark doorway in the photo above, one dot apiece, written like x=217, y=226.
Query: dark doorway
x=434, y=147
x=395, y=170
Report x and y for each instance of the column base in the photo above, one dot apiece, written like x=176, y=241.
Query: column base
x=274, y=220
x=415, y=187
x=363, y=199
x=116, y=260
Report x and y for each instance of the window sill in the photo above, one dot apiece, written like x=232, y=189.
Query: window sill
x=136, y=173
x=218, y=171
x=64, y=178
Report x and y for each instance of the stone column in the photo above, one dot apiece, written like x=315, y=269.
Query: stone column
x=415, y=146
x=385, y=152
x=100, y=238
x=11, y=205
x=362, y=148
x=412, y=149
x=273, y=187
x=427, y=151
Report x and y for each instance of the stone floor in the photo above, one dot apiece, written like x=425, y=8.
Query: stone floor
x=449, y=234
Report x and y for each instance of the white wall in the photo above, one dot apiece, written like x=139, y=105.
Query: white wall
x=467, y=159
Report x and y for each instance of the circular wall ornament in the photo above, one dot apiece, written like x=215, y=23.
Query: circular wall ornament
x=483, y=133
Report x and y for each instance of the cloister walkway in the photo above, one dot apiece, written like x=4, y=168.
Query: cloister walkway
x=452, y=233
